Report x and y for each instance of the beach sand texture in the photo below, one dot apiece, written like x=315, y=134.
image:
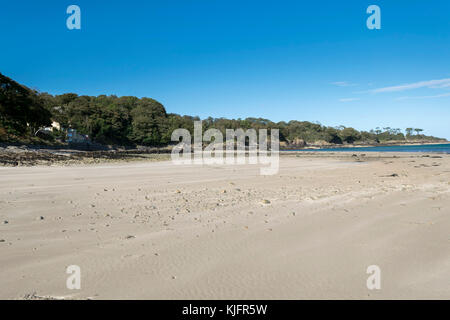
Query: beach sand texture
x=152, y=230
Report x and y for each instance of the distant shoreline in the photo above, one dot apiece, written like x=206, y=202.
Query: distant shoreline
x=11, y=155
x=350, y=146
x=441, y=148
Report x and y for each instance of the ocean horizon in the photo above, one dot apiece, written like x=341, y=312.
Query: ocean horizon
x=435, y=148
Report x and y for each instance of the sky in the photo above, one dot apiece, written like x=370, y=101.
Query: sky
x=281, y=60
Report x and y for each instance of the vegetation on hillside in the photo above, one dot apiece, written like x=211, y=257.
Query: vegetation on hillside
x=22, y=110
x=133, y=121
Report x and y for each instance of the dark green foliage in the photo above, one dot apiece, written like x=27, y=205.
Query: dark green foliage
x=21, y=109
x=134, y=121
x=350, y=135
x=149, y=122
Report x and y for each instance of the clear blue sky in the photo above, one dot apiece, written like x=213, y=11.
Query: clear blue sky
x=282, y=60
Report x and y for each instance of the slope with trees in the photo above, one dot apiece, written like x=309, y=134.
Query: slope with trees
x=132, y=121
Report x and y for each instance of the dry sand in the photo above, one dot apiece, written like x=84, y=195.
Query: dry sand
x=158, y=231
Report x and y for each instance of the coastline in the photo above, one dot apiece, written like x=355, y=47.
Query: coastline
x=12, y=156
x=385, y=144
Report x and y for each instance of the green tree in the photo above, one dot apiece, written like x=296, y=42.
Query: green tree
x=22, y=110
x=418, y=131
x=350, y=135
x=148, y=122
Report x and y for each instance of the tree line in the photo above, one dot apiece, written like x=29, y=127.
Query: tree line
x=144, y=121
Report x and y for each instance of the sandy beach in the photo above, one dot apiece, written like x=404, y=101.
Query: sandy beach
x=152, y=230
